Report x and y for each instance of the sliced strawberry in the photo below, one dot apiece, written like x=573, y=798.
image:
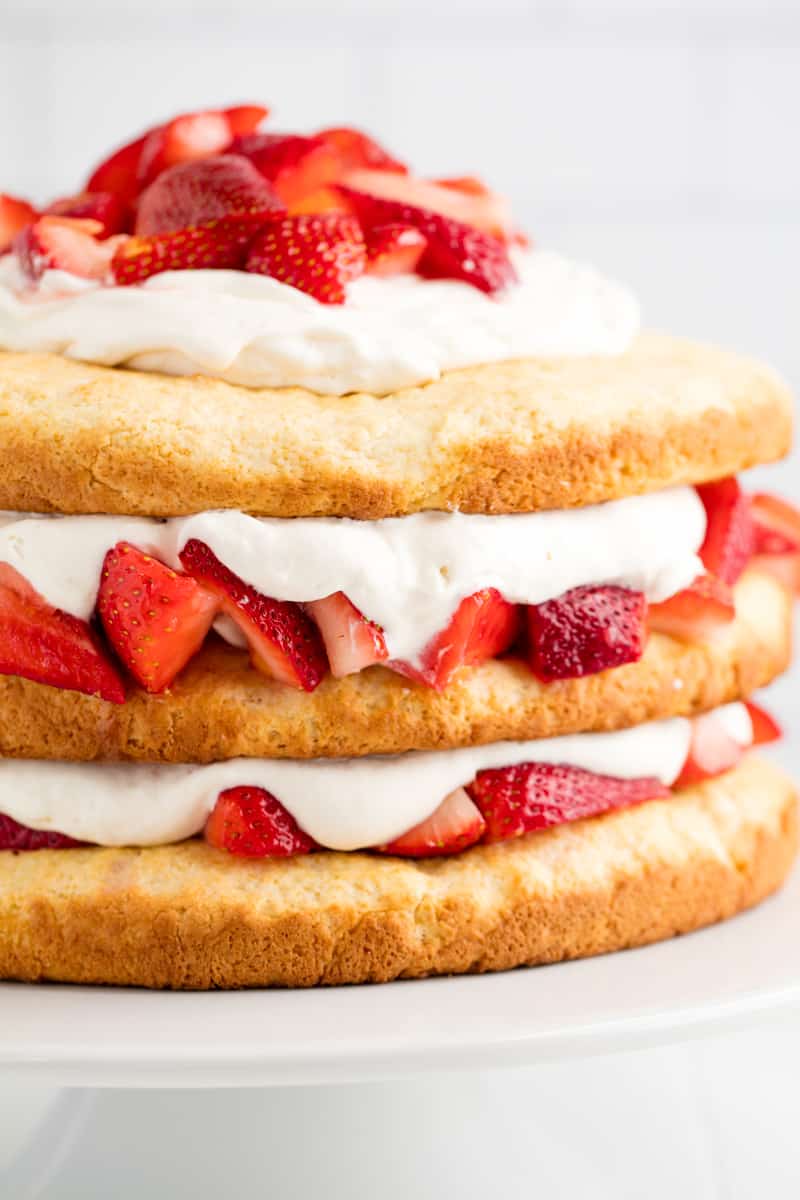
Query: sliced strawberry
x=765, y=728
x=588, y=629
x=64, y=244
x=295, y=166
x=394, y=249
x=482, y=626
x=106, y=208
x=351, y=641
x=712, y=751
x=216, y=247
x=15, y=214
x=783, y=567
x=192, y=194
x=469, y=185
x=14, y=836
x=480, y=209
x=455, y=825
x=729, y=540
x=193, y=135
x=284, y=642
x=42, y=643
x=454, y=250
x=522, y=799
x=777, y=524
x=155, y=619
x=317, y=254
x=324, y=200
x=250, y=822
x=245, y=118
x=700, y=611
x=119, y=173
x=357, y=149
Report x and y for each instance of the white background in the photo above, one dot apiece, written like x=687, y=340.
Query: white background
x=659, y=140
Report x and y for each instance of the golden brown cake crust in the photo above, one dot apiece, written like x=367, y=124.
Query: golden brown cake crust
x=189, y=916
x=221, y=708
x=507, y=437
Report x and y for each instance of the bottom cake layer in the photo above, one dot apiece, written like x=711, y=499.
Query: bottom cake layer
x=188, y=916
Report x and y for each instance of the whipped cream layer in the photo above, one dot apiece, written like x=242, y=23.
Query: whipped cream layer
x=344, y=804
x=252, y=330
x=408, y=574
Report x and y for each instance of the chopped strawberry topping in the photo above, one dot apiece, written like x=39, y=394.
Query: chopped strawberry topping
x=783, y=567
x=155, y=619
x=64, y=244
x=250, y=822
x=482, y=626
x=351, y=641
x=245, y=118
x=712, y=751
x=357, y=149
x=522, y=799
x=215, y=247
x=284, y=642
x=119, y=173
x=194, y=135
x=106, y=208
x=477, y=207
x=765, y=728
x=394, y=249
x=295, y=166
x=223, y=187
x=42, y=643
x=14, y=836
x=729, y=539
x=588, y=629
x=455, y=825
x=317, y=254
x=700, y=611
x=777, y=524
x=15, y=214
x=454, y=250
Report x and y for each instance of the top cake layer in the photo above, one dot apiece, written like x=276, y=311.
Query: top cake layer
x=506, y=437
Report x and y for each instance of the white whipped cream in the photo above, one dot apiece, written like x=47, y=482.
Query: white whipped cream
x=344, y=804
x=252, y=330
x=408, y=574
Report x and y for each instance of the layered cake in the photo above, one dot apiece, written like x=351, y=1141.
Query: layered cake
x=376, y=599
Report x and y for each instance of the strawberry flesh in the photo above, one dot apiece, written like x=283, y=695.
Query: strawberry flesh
x=702, y=610
x=46, y=645
x=284, y=642
x=119, y=173
x=765, y=728
x=191, y=136
x=223, y=187
x=356, y=149
x=245, y=118
x=250, y=822
x=777, y=525
x=394, y=249
x=155, y=619
x=295, y=166
x=712, y=751
x=483, y=625
x=729, y=540
x=105, y=207
x=319, y=255
x=588, y=629
x=351, y=641
x=14, y=836
x=15, y=214
x=455, y=825
x=533, y=796
x=477, y=207
x=64, y=244
x=217, y=247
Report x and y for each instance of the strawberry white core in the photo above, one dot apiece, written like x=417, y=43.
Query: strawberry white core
x=252, y=330
x=343, y=804
x=408, y=574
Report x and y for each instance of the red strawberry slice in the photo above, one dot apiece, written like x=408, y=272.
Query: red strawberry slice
x=42, y=643
x=729, y=540
x=216, y=247
x=469, y=185
x=351, y=641
x=155, y=619
x=394, y=249
x=522, y=799
x=455, y=825
x=701, y=611
x=64, y=244
x=191, y=194
x=454, y=250
x=357, y=149
x=15, y=214
x=588, y=629
x=191, y=136
x=119, y=173
x=477, y=207
x=765, y=728
x=317, y=254
x=245, y=118
x=106, y=208
x=295, y=166
x=14, y=836
x=483, y=625
x=712, y=751
x=777, y=524
x=284, y=642
x=250, y=822
x=783, y=567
